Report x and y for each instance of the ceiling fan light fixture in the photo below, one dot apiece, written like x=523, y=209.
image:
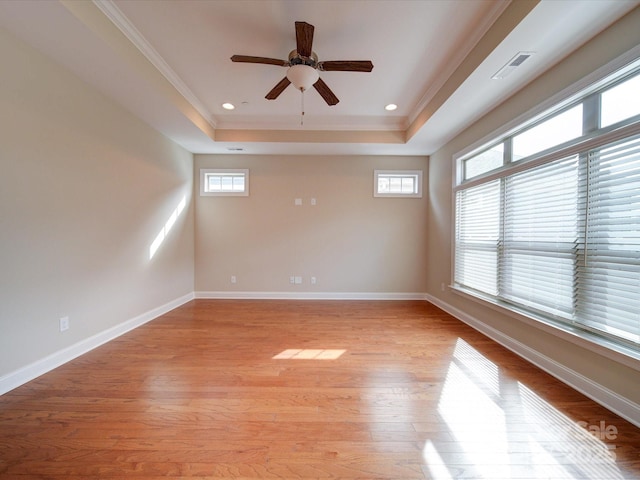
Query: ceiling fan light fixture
x=303, y=66
x=302, y=76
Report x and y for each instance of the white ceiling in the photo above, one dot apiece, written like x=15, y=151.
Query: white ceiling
x=168, y=62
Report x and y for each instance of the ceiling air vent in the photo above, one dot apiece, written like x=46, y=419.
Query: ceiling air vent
x=512, y=64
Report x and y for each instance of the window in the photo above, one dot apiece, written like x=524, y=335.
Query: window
x=224, y=182
x=607, y=298
x=548, y=133
x=486, y=161
x=547, y=219
x=539, y=236
x=398, y=183
x=478, y=236
x=621, y=102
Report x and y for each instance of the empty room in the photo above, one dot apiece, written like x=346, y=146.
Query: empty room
x=357, y=239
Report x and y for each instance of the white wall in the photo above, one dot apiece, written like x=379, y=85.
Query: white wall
x=85, y=188
x=593, y=373
x=350, y=241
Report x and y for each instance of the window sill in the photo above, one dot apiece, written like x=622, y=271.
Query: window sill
x=623, y=354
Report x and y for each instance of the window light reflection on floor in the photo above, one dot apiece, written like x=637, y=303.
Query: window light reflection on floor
x=309, y=354
x=436, y=465
x=506, y=430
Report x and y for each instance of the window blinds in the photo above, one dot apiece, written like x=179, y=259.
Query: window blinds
x=561, y=239
x=547, y=214
x=540, y=237
x=477, y=237
x=608, y=286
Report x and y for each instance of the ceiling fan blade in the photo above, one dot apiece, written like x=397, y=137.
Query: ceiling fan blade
x=346, y=66
x=278, y=89
x=265, y=60
x=304, y=38
x=325, y=92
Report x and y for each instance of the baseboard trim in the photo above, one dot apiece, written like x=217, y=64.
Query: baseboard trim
x=309, y=296
x=621, y=406
x=25, y=374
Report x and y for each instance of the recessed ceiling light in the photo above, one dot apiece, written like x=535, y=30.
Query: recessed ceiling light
x=228, y=106
x=391, y=107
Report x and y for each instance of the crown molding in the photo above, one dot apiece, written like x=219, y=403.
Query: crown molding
x=118, y=18
x=455, y=61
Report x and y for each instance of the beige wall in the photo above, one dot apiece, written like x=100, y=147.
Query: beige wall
x=350, y=241
x=84, y=190
x=620, y=379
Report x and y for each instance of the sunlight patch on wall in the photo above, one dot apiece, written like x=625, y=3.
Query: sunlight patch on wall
x=309, y=354
x=162, y=234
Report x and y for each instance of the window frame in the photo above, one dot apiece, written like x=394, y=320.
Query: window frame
x=231, y=172
x=593, y=136
x=416, y=175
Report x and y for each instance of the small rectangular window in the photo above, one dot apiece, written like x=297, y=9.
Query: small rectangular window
x=398, y=183
x=551, y=132
x=621, y=102
x=224, y=182
x=484, y=162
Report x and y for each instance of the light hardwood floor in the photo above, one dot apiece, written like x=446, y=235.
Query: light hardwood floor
x=308, y=389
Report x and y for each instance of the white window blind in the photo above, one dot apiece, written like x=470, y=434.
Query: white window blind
x=608, y=293
x=478, y=236
x=540, y=237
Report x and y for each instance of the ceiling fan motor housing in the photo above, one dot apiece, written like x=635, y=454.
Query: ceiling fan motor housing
x=296, y=59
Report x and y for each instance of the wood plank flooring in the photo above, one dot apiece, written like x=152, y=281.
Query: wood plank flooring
x=308, y=389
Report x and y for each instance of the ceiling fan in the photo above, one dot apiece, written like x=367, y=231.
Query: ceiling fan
x=304, y=65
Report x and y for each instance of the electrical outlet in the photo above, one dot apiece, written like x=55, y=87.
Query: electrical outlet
x=298, y=280
x=313, y=280
x=234, y=279
x=64, y=324
x=292, y=279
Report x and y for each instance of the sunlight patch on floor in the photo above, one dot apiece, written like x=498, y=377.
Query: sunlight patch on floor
x=506, y=430
x=309, y=354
